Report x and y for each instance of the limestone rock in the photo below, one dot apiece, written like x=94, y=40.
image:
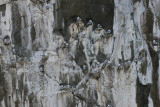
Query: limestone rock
x=79, y=53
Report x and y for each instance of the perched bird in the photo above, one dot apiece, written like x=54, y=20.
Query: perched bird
x=20, y=59
x=41, y=68
x=64, y=87
x=155, y=45
x=128, y=62
x=121, y=66
x=98, y=64
x=13, y=61
x=107, y=62
x=83, y=34
x=48, y=6
x=79, y=19
x=89, y=22
x=109, y=105
x=84, y=67
x=43, y=53
x=66, y=45
x=99, y=26
x=135, y=60
x=155, y=42
x=13, y=51
x=108, y=31
x=6, y=41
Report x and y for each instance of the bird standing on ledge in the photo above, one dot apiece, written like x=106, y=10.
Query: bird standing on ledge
x=99, y=26
x=79, y=19
x=89, y=22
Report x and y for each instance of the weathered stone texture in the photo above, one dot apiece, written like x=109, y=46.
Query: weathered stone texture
x=48, y=58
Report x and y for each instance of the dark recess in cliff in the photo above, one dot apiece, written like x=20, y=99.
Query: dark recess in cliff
x=33, y=33
x=147, y=24
x=135, y=1
x=147, y=28
x=71, y=102
x=2, y=84
x=142, y=94
x=99, y=11
x=3, y=9
x=101, y=57
x=154, y=89
x=143, y=58
x=16, y=25
x=80, y=57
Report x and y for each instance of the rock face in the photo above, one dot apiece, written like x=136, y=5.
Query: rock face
x=48, y=58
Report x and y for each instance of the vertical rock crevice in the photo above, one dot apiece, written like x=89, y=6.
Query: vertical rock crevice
x=155, y=88
x=142, y=95
x=16, y=25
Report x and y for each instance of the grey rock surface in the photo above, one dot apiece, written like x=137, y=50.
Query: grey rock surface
x=52, y=54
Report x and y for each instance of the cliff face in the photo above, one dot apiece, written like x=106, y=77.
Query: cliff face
x=48, y=58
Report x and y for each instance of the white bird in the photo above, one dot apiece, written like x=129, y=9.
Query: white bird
x=135, y=60
x=48, y=6
x=98, y=64
x=89, y=22
x=83, y=34
x=107, y=62
x=20, y=59
x=64, y=87
x=13, y=61
x=43, y=53
x=109, y=105
x=13, y=51
x=128, y=62
x=66, y=45
x=99, y=26
x=41, y=68
x=67, y=85
x=84, y=67
x=108, y=31
x=6, y=41
x=120, y=66
x=79, y=19
x=155, y=42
